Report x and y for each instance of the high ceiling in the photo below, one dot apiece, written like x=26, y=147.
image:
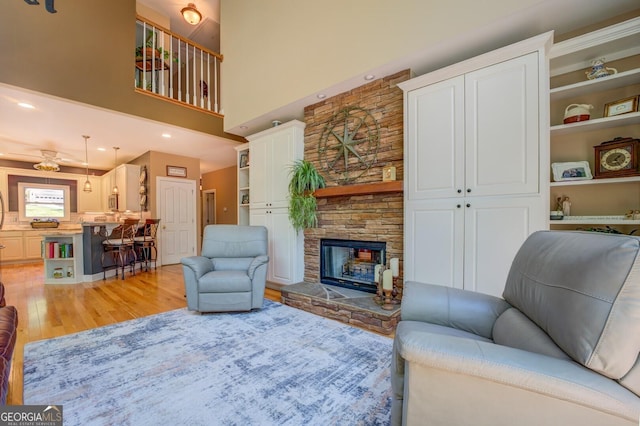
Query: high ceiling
x=57, y=124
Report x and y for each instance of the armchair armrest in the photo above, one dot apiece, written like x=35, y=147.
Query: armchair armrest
x=256, y=263
x=451, y=307
x=200, y=265
x=560, y=383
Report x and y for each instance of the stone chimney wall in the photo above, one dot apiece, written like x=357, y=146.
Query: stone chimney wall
x=365, y=217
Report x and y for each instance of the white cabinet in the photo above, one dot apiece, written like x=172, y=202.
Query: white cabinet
x=597, y=202
x=286, y=264
x=273, y=152
x=126, y=177
x=468, y=243
x=474, y=187
x=476, y=133
x=13, y=243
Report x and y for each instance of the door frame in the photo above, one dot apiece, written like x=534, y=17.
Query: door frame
x=205, y=207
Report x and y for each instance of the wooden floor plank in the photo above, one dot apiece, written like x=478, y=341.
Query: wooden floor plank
x=52, y=310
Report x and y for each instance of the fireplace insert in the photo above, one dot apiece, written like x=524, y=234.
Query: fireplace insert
x=351, y=263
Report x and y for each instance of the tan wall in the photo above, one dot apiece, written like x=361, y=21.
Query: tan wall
x=225, y=183
x=85, y=52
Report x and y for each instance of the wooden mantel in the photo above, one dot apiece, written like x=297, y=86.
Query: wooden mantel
x=360, y=189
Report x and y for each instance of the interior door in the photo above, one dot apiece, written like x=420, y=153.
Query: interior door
x=178, y=225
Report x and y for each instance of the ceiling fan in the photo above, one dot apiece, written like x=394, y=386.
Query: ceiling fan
x=50, y=160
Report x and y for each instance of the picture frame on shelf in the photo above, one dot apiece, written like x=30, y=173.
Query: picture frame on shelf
x=621, y=106
x=244, y=160
x=177, y=171
x=573, y=170
x=245, y=199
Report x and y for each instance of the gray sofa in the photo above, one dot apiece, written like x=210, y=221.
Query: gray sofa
x=561, y=348
x=231, y=272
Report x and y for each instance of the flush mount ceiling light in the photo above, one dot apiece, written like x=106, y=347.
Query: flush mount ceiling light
x=49, y=163
x=87, y=184
x=191, y=14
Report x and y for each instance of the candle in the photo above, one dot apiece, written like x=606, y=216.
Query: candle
x=376, y=274
x=395, y=266
x=387, y=280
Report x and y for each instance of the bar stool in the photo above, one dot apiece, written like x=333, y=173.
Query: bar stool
x=146, y=243
x=119, y=246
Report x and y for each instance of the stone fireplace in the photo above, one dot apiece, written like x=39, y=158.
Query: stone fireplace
x=366, y=209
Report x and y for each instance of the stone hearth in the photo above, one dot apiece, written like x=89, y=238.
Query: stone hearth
x=349, y=306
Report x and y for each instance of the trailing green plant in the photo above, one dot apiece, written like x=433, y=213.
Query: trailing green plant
x=305, y=179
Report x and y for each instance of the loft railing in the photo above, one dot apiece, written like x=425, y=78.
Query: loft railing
x=176, y=69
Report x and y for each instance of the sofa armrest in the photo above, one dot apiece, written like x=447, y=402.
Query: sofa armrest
x=451, y=307
x=256, y=263
x=525, y=376
x=200, y=265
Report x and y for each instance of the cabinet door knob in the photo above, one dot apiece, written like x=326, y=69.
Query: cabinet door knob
x=468, y=205
x=459, y=191
x=468, y=189
x=458, y=206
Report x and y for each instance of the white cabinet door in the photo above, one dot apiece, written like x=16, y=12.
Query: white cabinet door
x=434, y=159
x=434, y=242
x=467, y=243
x=494, y=230
x=287, y=266
x=272, y=155
x=501, y=136
x=285, y=263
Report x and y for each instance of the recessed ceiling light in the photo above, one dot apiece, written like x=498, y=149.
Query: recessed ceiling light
x=243, y=127
x=26, y=105
x=102, y=149
x=321, y=96
x=369, y=77
x=166, y=135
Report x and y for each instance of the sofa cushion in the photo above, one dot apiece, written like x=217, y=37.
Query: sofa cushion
x=583, y=290
x=631, y=380
x=514, y=329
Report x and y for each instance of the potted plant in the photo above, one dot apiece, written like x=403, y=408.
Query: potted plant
x=305, y=179
x=148, y=50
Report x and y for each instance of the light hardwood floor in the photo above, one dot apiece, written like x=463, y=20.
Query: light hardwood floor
x=46, y=311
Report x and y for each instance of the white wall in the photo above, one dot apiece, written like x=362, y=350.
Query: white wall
x=277, y=52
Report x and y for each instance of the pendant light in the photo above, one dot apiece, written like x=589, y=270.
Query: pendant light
x=115, y=190
x=191, y=14
x=87, y=184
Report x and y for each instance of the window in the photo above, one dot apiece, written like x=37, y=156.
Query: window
x=41, y=201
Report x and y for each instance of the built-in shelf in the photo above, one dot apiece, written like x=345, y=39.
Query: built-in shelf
x=615, y=81
x=360, y=189
x=595, y=220
x=595, y=181
x=597, y=124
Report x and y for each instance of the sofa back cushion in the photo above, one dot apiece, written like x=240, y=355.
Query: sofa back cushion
x=583, y=290
x=234, y=241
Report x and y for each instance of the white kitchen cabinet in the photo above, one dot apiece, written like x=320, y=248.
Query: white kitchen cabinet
x=126, y=177
x=273, y=152
x=473, y=172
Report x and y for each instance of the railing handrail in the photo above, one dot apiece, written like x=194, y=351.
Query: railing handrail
x=178, y=36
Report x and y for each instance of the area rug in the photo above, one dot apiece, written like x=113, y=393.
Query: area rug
x=274, y=366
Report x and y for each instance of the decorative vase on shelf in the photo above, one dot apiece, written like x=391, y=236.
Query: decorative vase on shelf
x=599, y=70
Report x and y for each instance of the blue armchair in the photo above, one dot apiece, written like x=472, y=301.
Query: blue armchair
x=231, y=272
